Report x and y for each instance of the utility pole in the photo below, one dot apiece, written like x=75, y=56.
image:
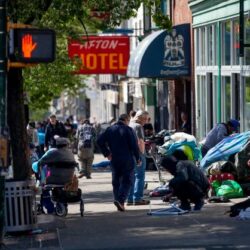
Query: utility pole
x=3, y=120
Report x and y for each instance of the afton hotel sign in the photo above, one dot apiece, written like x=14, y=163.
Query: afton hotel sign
x=101, y=54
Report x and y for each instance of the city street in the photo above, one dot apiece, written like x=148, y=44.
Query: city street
x=103, y=227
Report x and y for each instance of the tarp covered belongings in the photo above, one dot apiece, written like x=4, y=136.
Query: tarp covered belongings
x=181, y=141
x=228, y=146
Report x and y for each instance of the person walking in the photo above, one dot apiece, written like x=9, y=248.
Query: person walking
x=118, y=143
x=85, y=136
x=53, y=128
x=218, y=133
x=189, y=183
x=136, y=192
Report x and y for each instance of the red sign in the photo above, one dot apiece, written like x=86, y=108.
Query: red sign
x=101, y=54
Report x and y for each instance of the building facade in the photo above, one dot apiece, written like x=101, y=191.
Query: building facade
x=219, y=76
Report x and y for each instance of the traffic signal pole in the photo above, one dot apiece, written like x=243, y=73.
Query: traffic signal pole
x=3, y=101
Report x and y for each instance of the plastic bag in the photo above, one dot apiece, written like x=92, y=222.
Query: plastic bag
x=229, y=189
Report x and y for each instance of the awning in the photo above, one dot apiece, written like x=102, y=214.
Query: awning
x=162, y=54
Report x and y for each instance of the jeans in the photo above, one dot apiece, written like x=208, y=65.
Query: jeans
x=122, y=179
x=137, y=188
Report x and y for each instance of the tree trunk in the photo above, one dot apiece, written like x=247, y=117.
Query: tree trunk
x=17, y=125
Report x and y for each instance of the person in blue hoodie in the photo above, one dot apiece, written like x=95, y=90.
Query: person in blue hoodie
x=118, y=143
x=218, y=133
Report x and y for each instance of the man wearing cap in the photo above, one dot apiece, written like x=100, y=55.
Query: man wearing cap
x=218, y=133
x=118, y=143
x=136, y=192
x=53, y=128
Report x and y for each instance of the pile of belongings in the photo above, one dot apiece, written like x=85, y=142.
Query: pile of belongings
x=160, y=191
x=222, y=177
x=181, y=141
x=224, y=149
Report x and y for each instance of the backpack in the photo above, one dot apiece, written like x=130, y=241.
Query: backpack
x=86, y=136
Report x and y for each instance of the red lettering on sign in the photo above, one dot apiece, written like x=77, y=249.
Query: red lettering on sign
x=101, y=54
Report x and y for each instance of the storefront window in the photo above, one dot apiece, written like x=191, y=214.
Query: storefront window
x=247, y=107
x=203, y=46
x=247, y=41
x=236, y=42
x=215, y=99
x=211, y=46
x=197, y=47
x=201, y=107
x=226, y=97
x=226, y=43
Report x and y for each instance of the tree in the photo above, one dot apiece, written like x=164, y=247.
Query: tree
x=46, y=81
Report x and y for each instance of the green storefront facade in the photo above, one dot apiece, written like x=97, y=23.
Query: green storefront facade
x=219, y=72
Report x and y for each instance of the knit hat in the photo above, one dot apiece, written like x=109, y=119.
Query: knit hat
x=235, y=124
x=169, y=163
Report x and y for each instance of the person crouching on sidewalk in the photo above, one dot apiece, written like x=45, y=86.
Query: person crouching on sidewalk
x=189, y=184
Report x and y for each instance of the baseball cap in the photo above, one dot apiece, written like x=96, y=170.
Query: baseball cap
x=235, y=124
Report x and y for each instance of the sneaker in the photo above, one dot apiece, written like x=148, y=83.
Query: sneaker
x=141, y=202
x=120, y=206
x=130, y=203
x=80, y=175
x=185, y=206
x=198, y=205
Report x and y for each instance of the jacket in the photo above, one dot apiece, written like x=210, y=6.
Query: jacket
x=51, y=131
x=186, y=171
x=120, y=141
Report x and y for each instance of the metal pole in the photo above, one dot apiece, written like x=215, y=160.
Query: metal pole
x=3, y=72
x=242, y=81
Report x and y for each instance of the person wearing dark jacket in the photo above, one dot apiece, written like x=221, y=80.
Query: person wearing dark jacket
x=118, y=143
x=189, y=184
x=53, y=128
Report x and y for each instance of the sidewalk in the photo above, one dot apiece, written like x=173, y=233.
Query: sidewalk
x=103, y=227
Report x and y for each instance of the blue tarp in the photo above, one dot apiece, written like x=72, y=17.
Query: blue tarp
x=228, y=146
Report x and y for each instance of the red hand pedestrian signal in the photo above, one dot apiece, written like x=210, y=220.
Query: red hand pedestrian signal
x=34, y=45
x=28, y=46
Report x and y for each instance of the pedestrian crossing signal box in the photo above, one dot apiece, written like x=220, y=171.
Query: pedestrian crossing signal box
x=34, y=45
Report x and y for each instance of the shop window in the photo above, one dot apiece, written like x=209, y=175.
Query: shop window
x=247, y=107
x=215, y=99
x=211, y=45
x=197, y=46
x=203, y=46
x=226, y=43
x=201, y=107
x=247, y=41
x=236, y=41
x=226, y=97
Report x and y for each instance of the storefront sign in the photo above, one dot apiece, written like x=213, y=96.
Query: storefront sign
x=101, y=54
x=162, y=55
